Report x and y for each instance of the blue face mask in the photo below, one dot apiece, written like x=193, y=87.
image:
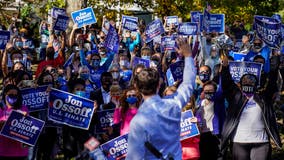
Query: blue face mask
x=92, y=37
x=103, y=60
x=19, y=44
x=131, y=100
x=84, y=76
x=80, y=93
x=146, y=57
x=95, y=63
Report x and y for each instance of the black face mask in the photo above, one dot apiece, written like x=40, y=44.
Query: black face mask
x=248, y=90
x=204, y=77
x=209, y=95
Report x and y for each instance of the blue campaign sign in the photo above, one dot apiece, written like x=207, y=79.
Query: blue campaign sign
x=116, y=148
x=105, y=120
x=69, y=109
x=194, y=16
x=57, y=11
x=206, y=21
x=112, y=40
x=177, y=70
x=154, y=29
x=35, y=98
x=168, y=43
x=4, y=39
x=170, y=78
x=172, y=20
x=200, y=22
x=282, y=31
x=25, y=129
x=217, y=23
x=187, y=29
x=61, y=23
x=124, y=17
x=188, y=129
x=269, y=30
x=238, y=56
x=130, y=25
x=84, y=17
x=238, y=69
x=68, y=61
x=138, y=60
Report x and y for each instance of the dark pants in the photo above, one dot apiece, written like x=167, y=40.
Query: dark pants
x=251, y=151
x=209, y=146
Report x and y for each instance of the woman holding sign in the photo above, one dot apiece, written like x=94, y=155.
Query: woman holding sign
x=12, y=101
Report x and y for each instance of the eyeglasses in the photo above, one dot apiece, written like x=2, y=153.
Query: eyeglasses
x=131, y=95
x=204, y=71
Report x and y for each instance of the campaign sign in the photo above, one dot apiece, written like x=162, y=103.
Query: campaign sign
x=84, y=17
x=69, y=109
x=57, y=11
x=238, y=69
x=105, y=120
x=172, y=20
x=154, y=29
x=112, y=40
x=130, y=25
x=116, y=148
x=68, y=61
x=269, y=30
x=61, y=23
x=25, y=129
x=4, y=39
x=124, y=17
x=238, y=56
x=194, y=16
x=138, y=60
x=170, y=78
x=217, y=23
x=187, y=29
x=168, y=43
x=282, y=31
x=206, y=21
x=35, y=98
x=188, y=129
x=200, y=23
x=177, y=70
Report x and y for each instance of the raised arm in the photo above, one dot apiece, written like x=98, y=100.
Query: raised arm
x=185, y=90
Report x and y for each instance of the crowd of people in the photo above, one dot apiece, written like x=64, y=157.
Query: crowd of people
x=236, y=117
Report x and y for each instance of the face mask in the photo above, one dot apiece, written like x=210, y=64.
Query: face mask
x=131, y=100
x=80, y=93
x=146, y=57
x=115, y=75
x=103, y=60
x=123, y=63
x=17, y=60
x=209, y=95
x=92, y=37
x=84, y=76
x=12, y=100
x=19, y=44
x=204, y=77
x=95, y=63
x=248, y=90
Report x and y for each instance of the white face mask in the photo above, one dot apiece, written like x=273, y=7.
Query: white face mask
x=124, y=63
x=115, y=75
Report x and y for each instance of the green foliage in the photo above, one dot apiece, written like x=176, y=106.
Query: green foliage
x=55, y=3
x=26, y=10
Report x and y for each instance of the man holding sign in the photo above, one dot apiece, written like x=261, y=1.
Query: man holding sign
x=157, y=123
